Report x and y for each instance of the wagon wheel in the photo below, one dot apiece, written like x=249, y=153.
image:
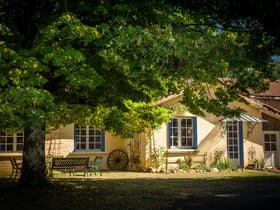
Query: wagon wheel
x=117, y=160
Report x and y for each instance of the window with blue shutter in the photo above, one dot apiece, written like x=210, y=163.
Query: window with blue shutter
x=182, y=133
x=88, y=139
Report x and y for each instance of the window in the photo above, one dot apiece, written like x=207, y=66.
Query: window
x=11, y=142
x=270, y=142
x=88, y=139
x=232, y=139
x=182, y=133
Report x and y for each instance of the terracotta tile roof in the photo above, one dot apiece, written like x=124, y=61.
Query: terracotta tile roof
x=271, y=97
x=274, y=90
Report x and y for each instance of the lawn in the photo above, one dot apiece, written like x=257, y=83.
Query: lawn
x=132, y=190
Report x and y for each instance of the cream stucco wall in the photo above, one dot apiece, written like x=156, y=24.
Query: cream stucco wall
x=61, y=143
x=211, y=133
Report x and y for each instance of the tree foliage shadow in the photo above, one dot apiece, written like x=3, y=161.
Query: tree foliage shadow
x=144, y=193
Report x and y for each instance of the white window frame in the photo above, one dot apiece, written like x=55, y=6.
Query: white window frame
x=189, y=137
x=270, y=142
x=233, y=140
x=8, y=140
x=89, y=140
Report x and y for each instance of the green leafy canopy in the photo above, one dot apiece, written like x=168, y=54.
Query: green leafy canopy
x=107, y=66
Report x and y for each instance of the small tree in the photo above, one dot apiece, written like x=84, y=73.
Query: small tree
x=158, y=157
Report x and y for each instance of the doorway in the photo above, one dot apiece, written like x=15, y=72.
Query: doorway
x=270, y=145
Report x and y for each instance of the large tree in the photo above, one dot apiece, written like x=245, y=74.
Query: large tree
x=105, y=63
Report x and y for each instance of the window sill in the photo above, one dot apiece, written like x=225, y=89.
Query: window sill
x=14, y=154
x=87, y=152
x=174, y=150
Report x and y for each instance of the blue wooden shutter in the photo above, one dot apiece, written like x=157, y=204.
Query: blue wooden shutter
x=102, y=147
x=169, y=133
x=194, y=132
x=75, y=145
x=241, y=158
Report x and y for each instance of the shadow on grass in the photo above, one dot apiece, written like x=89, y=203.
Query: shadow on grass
x=155, y=192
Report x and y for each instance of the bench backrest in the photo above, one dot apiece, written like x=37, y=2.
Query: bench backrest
x=69, y=162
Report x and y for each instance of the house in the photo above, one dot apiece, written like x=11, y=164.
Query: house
x=252, y=137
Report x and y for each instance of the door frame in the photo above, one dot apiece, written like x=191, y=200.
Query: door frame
x=273, y=155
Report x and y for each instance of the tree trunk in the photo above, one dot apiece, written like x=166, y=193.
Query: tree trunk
x=33, y=165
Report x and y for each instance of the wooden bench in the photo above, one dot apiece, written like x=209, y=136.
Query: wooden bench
x=70, y=164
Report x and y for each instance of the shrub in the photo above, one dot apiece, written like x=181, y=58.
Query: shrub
x=201, y=167
x=185, y=165
x=158, y=157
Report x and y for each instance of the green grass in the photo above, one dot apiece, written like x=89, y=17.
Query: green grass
x=130, y=190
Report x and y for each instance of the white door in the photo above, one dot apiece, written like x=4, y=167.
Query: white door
x=270, y=145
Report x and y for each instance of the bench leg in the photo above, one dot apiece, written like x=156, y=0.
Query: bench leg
x=72, y=172
x=11, y=176
x=51, y=173
x=86, y=173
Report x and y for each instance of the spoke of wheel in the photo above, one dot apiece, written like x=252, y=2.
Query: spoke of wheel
x=117, y=159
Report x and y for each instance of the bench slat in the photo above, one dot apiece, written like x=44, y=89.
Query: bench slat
x=70, y=163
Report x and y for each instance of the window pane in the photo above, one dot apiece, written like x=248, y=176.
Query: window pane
x=91, y=132
x=83, y=139
x=19, y=147
x=9, y=147
x=83, y=146
x=20, y=140
x=189, y=142
x=184, y=142
x=273, y=138
x=3, y=148
x=175, y=132
x=91, y=139
x=267, y=147
x=10, y=139
x=183, y=123
x=273, y=147
x=266, y=137
x=175, y=123
x=189, y=122
x=183, y=132
x=2, y=140
x=190, y=133
x=98, y=139
x=91, y=146
x=175, y=141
